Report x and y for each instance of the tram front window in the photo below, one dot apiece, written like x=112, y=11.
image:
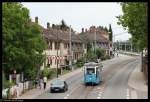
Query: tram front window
x=90, y=70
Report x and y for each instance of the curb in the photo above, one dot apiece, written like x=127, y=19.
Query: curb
x=136, y=80
x=64, y=76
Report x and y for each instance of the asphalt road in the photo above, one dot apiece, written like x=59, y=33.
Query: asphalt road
x=114, y=86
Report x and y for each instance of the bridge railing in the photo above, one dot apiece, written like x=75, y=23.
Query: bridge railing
x=129, y=53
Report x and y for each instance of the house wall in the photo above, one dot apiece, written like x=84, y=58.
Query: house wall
x=62, y=54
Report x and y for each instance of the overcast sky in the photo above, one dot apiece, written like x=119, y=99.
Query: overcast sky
x=79, y=15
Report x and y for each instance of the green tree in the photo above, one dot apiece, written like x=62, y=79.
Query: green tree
x=110, y=33
x=91, y=56
x=135, y=20
x=106, y=29
x=23, y=43
x=100, y=53
x=63, y=25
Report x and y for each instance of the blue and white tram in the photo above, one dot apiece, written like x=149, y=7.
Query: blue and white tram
x=92, y=73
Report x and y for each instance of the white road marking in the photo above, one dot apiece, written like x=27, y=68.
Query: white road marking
x=98, y=88
x=133, y=94
x=98, y=97
x=127, y=95
x=65, y=97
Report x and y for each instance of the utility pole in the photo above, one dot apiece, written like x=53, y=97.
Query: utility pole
x=95, y=41
x=57, y=54
x=119, y=45
x=125, y=46
x=70, y=54
x=131, y=45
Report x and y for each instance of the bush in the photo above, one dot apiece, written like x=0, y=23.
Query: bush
x=80, y=62
x=100, y=53
x=8, y=84
x=47, y=72
x=78, y=65
x=107, y=57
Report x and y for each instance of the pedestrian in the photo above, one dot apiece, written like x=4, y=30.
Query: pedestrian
x=45, y=81
x=36, y=83
x=40, y=82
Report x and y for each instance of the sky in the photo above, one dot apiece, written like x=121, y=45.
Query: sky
x=79, y=15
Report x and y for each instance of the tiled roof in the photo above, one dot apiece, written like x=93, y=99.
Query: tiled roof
x=91, y=37
x=51, y=34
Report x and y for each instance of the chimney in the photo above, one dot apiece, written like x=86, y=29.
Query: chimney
x=48, y=25
x=82, y=30
x=86, y=30
x=53, y=26
x=36, y=20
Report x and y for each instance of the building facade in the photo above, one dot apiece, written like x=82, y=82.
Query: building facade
x=97, y=37
x=58, y=44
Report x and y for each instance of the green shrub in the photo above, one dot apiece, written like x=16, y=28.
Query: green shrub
x=80, y=62
x=107, y=57
x=8, y=84
x=100, y=53
x=47, y=72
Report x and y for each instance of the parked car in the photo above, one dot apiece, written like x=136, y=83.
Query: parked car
x=58, y=86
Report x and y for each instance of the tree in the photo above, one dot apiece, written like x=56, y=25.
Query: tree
x=110, y=33
x=135, y=20
x=89, y=46
x=23, y=43
x=100, y=53
x=106, y=29
x=91, y=56
x=63, y=25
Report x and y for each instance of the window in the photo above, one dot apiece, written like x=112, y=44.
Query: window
x=57, y=61
x=50, y=45
x=49, y=62
x=65, y=45
x=90, y=70
x=57, y=45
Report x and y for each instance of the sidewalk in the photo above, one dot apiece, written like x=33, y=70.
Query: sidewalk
x=137, y=80
x=31, y=94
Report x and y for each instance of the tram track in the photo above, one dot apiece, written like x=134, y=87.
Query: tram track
x=83, y=92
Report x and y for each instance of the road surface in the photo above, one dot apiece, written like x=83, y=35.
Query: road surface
x=115, y=74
